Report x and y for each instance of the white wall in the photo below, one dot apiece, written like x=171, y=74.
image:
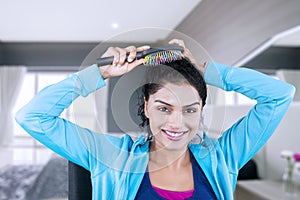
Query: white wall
x=292, y=77
x=286, y=136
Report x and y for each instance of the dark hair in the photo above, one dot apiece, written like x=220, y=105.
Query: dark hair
x=177, y=72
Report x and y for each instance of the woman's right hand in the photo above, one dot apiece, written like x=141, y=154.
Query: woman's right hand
x=120, y=65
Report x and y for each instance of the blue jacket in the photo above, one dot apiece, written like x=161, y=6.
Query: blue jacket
x=117, y=165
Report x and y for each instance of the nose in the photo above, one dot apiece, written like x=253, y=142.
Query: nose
x=174, y=120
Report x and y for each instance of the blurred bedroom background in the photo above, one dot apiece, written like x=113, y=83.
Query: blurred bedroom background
x=43, y=42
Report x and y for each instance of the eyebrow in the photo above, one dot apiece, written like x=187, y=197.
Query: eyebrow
x=160, y=101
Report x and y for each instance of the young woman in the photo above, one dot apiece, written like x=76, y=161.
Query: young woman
x=163, y=163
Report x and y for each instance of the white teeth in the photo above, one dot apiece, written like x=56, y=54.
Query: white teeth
x=174, y=134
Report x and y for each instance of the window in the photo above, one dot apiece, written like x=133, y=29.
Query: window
x=33, y=83
x=234, y=98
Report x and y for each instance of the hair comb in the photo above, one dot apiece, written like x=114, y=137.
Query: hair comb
x=153, y=56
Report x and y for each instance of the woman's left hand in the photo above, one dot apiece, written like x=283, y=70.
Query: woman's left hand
x=187, y=53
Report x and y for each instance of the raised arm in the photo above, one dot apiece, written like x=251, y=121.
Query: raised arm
x=242, y=141
x=41, y=116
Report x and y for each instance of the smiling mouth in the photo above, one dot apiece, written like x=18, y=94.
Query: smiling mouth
x=174, y=135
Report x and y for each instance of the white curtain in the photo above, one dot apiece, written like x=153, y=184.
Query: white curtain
x=11, y=79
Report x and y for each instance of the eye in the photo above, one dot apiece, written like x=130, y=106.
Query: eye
x=190, y=110
x=163, y=109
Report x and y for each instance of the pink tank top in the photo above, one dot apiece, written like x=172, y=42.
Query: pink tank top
x=173, y=194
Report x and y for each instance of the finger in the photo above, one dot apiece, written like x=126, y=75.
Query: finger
x=178, y=42
x=134, y=64
x=143, y=48
x=122, y=57
x=112, y=51
x=132, y=53
x=186, y=51
x=134, y=50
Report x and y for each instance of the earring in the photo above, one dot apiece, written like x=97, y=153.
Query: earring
x=198, y=139
x=149, y=135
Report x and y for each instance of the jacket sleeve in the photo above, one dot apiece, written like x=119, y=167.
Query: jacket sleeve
x=40, y=117
x=242, y=141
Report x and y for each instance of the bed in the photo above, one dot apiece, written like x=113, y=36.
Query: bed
x=30, y=182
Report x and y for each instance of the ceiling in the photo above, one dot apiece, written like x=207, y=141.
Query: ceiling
x=98, y=20
x=89, y=20
x=288, y=38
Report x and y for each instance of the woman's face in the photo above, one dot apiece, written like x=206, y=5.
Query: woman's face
x=174, y=113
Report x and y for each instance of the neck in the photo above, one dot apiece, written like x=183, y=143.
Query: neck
x=165, y=158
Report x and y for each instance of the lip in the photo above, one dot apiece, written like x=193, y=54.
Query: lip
x=174, y=135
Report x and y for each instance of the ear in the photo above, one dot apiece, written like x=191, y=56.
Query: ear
x=146, y=111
